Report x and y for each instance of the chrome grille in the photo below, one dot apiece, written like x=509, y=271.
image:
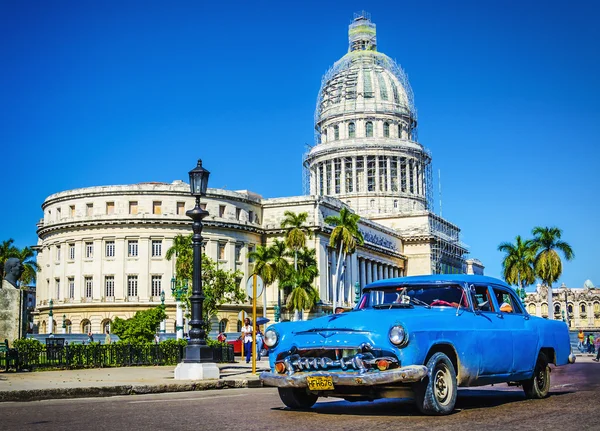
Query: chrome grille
x=360, y=362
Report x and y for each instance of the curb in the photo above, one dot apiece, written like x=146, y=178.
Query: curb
x=109, y=391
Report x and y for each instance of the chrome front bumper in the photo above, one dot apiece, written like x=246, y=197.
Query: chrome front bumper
x=408, y=374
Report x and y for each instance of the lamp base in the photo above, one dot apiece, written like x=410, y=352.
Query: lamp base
x=196, y=371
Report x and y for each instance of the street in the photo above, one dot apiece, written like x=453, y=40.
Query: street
x=573, y=405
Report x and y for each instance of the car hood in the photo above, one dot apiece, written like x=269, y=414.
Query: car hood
x=353, y=329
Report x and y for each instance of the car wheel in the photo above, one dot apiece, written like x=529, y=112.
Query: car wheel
x=538, y=386
x=436, y=393
x=297, y=398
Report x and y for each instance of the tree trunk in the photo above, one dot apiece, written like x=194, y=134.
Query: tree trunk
x=336, y=278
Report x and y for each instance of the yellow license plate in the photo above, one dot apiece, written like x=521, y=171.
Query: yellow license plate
x=320, y=383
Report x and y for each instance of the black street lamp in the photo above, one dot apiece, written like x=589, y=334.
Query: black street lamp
x=196, y=350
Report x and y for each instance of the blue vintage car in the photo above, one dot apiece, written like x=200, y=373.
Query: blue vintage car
x=417, y=337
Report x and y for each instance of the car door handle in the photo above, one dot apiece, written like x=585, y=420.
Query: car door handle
x=526, y=317
x=500, y=316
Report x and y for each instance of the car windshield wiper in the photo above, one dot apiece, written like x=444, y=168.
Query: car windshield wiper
x=393, y=305
x=419, y=302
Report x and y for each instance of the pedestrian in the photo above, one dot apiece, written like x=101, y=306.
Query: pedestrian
x=591, y=344
x=580, y=337
x=90, y=338
x=107, y=339
x=222, y=337
x=597, y=359
x=259, y=343
x=156, y=338
x=247, y=336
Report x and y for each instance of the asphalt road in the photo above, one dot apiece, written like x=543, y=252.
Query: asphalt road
x=574, y=404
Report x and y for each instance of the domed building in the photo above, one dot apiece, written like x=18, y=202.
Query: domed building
x=101, y=250
x=366, y=152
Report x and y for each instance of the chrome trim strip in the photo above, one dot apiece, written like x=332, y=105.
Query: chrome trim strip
x=408, y=374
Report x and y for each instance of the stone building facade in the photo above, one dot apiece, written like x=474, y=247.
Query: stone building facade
x=102, y=249
x=579, y=306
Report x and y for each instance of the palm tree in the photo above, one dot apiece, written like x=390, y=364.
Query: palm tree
x=344, y=237
x=303, y=296
x=279, y=265
x=295, y=237
x=548, y=265
x=183, y=252
x=518, y=262
x=262, y=266
x=27, y=257
x=307, y=262
x=7, y=250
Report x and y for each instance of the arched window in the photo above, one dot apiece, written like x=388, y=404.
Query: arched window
x=582, y=307
x=86, y=326
x=372, y=203
x=531, y=309
x=325, y=135
x=43, y=327
x=239, y=326
x=386, y=130
x=570, y=308
x=223, y=325
x=596, y=307
x=557, y=308
x=351, y=130
x=336, y=132
x=544, y=310
x=369, y=129
x=106, y=326
x=400, y=131
x=68, y=327
x=395, y=203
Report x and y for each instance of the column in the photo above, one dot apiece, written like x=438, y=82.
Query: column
x=380, y=269
x=365, y=175
x=363, y=275
x=342, y=175
x=316, y=181
x=332, y=177
x=389, y=174
x=374, y=271
x=369, y=272
x=354, y=178
x=377, y=179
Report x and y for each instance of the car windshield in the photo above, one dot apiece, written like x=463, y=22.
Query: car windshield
x=414, y=295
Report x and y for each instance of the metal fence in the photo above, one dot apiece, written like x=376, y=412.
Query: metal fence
x=107, y=355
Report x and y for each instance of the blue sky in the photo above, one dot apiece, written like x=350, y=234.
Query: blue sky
x=106, y=92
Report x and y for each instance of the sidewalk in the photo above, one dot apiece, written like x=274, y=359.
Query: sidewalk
x=102, y=382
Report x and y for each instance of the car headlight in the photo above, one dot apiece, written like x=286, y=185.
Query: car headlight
x=271, y=337
x=398, y=336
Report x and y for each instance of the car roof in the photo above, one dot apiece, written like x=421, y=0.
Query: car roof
x=435, y=279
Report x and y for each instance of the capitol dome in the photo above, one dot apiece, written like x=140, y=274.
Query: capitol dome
x=366, y=151
x=364, y=80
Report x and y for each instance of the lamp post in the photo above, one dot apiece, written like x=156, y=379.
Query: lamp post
x=51, y=317
x=64, y=325
x=178, y=290
x=197, y=362
x=163, y=324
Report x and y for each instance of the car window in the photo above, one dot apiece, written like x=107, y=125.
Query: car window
x=507, y=301
x=480, y=295
x=419, y=295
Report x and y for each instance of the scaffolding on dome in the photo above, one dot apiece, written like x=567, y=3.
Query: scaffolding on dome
x=406, y=176
x=339, y=85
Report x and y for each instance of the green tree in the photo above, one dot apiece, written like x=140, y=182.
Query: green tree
x=548, y=264
x=219, y=286
x=295, y=237
x=7, y=250
x=184, y=254
x=302, y=296
x=262, y=263
x=141, y=327
x=517, y=265
x=27, y=257
x=344, y=238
